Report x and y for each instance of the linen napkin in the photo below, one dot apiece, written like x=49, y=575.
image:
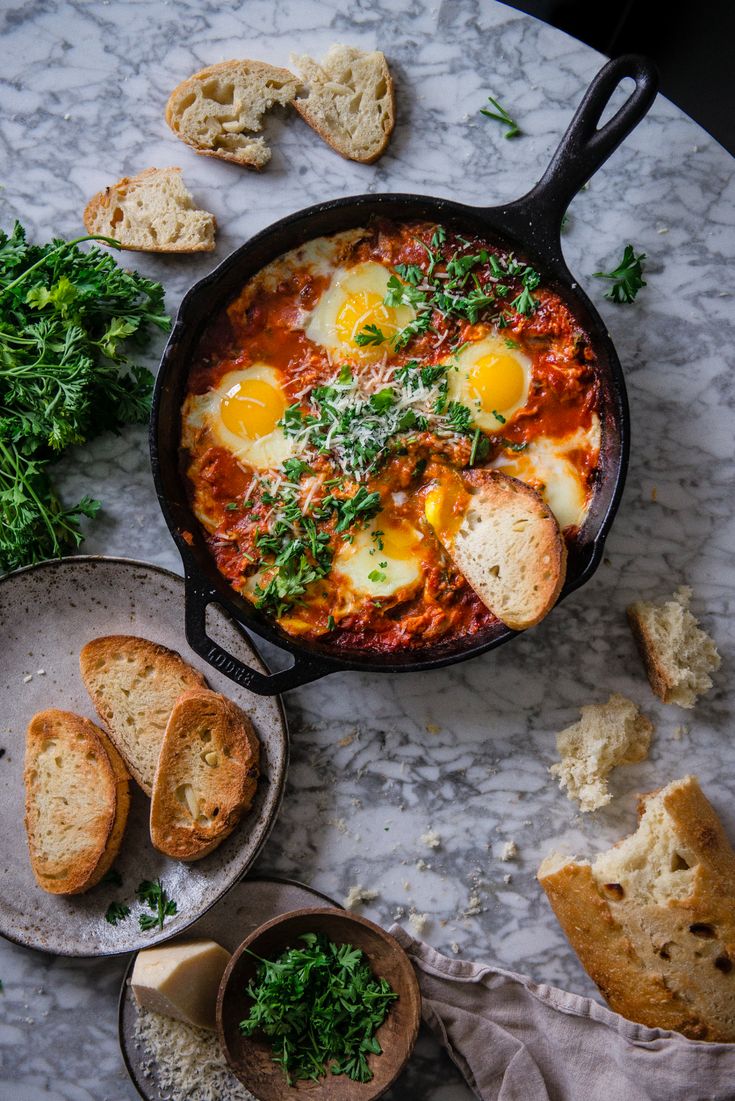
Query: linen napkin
x=517, y=1040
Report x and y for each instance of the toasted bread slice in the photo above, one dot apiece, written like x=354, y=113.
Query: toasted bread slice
x=134, y=685
x=206, y=777
x=679, y=656
x=77, y=801
x=151, y=212
x=350, y=101
x=217, y=110
x=510, y=549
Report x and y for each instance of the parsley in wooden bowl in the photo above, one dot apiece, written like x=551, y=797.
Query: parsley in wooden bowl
x=319, y=1003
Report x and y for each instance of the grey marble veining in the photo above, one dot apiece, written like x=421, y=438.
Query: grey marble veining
x=379, y=760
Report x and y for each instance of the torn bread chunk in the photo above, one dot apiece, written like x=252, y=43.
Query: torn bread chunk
x=679, y=656
x=151, y=212
x=350, y=101
x=219, y=110
x=608, y=734
x=653, y=919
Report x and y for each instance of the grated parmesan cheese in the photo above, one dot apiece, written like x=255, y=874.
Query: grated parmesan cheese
x=188, y=1063
x=357, y=895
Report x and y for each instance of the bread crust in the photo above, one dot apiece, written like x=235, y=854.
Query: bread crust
x=209, y=763
x=324, y=133
x=659, y=681
x=668, y=962
x=83, y=823
x=100, y=203
x=225, y=68
x=498, y=495
x=110, y=663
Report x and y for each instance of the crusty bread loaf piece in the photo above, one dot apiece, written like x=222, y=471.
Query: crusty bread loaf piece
x=653, y=919
x=206, y=777
x=678, y=655
x=134, y=685
x=151, y=212
x=217, y=110
x=77, y=801
x=350, y=101
x=510, y=550
x=608, y=734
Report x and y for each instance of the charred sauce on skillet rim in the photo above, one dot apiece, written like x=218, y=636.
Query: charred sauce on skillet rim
x=531, y=227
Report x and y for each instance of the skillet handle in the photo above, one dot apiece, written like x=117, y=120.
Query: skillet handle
x=198, y=598
x=585, y=148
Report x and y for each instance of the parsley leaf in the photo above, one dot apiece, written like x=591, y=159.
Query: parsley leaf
x=154, y=895
x=501, y=115
x=371, y=334
x=116, y=911
x=627, y=276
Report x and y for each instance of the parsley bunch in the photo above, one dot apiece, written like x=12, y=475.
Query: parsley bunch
x=65, y=316
x=320, y=1007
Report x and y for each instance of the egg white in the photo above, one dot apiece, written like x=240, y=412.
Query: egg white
x=350, y=286
x=263, y=452
x=545, y=464
x=506, y=383
x=402, y=554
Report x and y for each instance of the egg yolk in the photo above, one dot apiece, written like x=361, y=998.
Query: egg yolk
x=498, y=380
x=359, y=310
x=444, y=508
x=252, y=408
x=398, y=543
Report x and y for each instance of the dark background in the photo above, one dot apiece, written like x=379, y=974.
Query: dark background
x=692, y=43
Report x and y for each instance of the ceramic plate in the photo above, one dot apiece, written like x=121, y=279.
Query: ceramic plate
x=247, y=906
x=47, y=613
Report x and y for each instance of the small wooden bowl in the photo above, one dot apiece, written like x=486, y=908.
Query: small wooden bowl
x=250, y=1058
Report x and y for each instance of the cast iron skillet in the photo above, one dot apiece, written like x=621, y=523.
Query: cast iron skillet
x=531, y=226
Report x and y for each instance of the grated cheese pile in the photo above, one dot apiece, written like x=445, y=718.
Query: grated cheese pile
x=187, y=1062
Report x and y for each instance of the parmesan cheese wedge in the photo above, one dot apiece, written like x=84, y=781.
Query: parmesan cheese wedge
x=181, y=980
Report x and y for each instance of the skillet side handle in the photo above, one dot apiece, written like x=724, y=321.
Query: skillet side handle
x=198, y=599
x=585, y=148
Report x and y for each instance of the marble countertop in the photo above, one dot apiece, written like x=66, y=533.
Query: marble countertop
x=378, y=760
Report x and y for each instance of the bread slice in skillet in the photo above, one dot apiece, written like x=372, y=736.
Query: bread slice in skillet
x=76, y=804
x=134, y=685
x=350, y=101
x=151, y=212
x=510, y=549
x=218, y=110
x=206, y=777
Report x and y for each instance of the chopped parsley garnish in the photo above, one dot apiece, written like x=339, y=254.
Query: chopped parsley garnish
x=371, y=334
x=377, y=576
x=319, y=1006
x=330, y=622
x=362, y=506
x=294, y=468
x=500, y=114
x=410, y=273
x=627, y=276
x=498, y=417
x=510, y=445
x=116, y=911
x=154, y=895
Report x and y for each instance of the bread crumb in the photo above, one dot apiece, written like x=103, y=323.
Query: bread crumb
x=654, y=493
x=358, y=895
x=432, y=728
x=431, y=839
x=28, y=677
x=347, y=740
x=680, y=731
x=474, y=905
x=422, y=865
x=509, y=852
x=40, y=672
x=507, y=878
x=455, y=947
x=418, y=922
x=608, y=734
